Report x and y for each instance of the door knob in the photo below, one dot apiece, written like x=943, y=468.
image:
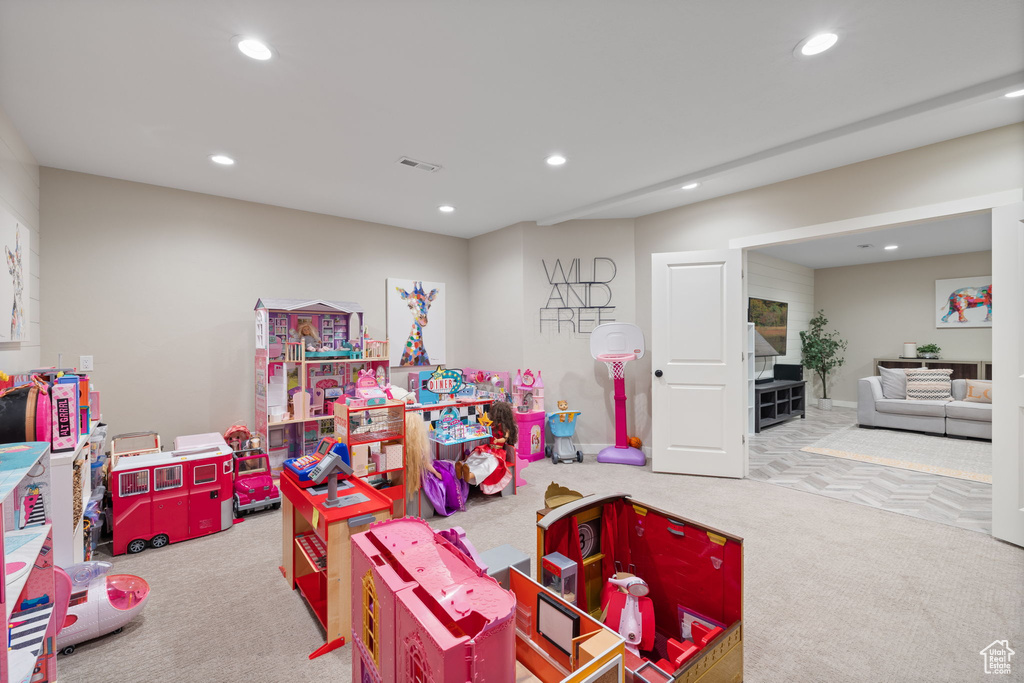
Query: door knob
x=658, y=373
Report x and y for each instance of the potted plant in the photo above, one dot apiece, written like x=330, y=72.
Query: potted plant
x=928, y=351
x=822, y=353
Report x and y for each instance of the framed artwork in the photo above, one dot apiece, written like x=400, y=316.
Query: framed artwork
x=416, y=322
x=14, y=288
x=964, y=302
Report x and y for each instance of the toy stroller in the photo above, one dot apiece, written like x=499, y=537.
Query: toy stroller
x=563, y=426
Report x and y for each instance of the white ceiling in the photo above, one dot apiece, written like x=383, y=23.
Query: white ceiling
x=640, y=96
x=956, y=235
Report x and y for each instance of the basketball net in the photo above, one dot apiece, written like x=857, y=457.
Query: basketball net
x=616, y=364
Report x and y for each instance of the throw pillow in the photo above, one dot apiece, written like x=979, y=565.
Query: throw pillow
x=979, y=391
x=894, y=382
x=929, y=384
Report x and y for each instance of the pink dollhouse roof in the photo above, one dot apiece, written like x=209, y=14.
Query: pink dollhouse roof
x=446, y=575
x=311, y=305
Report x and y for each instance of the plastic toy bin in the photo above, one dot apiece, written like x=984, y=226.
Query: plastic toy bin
x=531, y=435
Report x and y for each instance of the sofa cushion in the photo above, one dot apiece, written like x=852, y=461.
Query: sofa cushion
x=923, y=408
x=929, y=384
x=964, y=410
x=894, y=382
x=978, y=391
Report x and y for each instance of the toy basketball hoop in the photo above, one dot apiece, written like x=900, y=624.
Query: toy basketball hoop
x=616, y=344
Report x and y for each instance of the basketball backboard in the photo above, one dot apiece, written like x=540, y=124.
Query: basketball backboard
x=617, y=338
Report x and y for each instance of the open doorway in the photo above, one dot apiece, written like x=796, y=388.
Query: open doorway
x=884, y=293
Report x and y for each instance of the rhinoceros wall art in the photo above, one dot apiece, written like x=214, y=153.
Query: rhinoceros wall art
x=964, y=302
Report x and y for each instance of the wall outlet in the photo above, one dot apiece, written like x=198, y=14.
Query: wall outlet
x=85, y=363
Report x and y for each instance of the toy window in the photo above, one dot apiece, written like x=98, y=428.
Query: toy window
x=371, y=617
x=417, y=664
x=204, y=474
x=166, y=478
x=227, y=467
x=134, y=483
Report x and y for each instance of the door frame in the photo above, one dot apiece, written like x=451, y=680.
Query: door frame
x=881, y=221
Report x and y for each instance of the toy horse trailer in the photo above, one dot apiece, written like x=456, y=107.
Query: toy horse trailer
x=165, y=497
x=694, y=574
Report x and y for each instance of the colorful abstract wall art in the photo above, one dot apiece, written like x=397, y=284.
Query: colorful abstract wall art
x=416, y=322
x=964, y=302
x=14, y=286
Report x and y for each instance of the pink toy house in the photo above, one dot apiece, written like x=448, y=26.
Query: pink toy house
x=423, y=610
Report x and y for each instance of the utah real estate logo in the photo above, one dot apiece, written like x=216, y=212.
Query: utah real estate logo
x=997, y=657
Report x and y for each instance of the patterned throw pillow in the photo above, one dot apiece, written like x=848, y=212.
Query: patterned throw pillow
x=929, y=384
x=979, y=391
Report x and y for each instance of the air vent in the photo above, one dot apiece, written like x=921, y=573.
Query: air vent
x=421, y=165
x=864, y=246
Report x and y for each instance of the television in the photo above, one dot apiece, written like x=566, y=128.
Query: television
x=771, y=322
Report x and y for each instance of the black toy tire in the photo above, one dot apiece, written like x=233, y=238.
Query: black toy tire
x=579, y=456
x=136, y=546
x=276, y=506
x=68, y=650
x=548, y=451
x=159, y=541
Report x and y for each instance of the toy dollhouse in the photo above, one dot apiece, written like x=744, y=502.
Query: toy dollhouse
x=309, y=354
x=423, y=609
x=528, y=402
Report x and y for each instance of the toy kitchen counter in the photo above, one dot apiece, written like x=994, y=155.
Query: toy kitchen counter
x=315, y=554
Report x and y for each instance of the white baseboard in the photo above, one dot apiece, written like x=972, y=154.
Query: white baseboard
x=845, y=404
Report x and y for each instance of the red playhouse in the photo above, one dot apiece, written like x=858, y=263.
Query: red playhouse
x=165, y=497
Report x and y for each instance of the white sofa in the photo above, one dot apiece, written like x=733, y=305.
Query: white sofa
x=952, y=418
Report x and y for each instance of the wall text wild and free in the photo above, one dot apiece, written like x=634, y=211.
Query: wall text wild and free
x=578, y=300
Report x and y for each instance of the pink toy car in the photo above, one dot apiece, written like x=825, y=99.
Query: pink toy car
x=254, y=487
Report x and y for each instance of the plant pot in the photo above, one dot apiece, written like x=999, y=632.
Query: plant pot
x=825, y=404
x=931, y=356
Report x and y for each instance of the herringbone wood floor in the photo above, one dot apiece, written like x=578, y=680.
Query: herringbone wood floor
x=776, y=458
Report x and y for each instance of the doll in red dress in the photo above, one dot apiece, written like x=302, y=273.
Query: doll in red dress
x=487, y=465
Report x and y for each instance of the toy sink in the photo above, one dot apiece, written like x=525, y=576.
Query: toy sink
x=694, y=574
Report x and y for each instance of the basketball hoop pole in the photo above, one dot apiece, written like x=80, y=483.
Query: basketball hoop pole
x=621, y=439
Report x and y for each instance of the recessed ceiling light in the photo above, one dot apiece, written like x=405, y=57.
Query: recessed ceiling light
x=1015, y=93
x=816, y=44
x=890, y=247
x=864, y=246
x=222, y=159
x=555, y=160
x=690, y=186
x=446, y=208
x=256, y=49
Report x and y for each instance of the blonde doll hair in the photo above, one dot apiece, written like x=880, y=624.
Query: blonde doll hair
x=417, y=450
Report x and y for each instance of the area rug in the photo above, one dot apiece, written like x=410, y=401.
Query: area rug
x=957, y=458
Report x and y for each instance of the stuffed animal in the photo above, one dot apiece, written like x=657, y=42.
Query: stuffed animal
x=563, y=406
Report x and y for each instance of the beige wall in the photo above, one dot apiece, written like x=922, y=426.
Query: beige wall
x=878, y=306
x=569, y=371
x=970, y=166
x=19, y=194
x=159, y=285
x=496, y=300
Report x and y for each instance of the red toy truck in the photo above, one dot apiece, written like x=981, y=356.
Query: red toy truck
x=254, y=487
x=165, y=497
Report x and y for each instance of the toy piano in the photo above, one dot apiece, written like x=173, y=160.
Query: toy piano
x=304, y=466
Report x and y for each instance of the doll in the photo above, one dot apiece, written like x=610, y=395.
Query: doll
x=308, y=336
x=487, y=465
x=418, y=462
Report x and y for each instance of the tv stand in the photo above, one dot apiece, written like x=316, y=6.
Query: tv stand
x=778, y=401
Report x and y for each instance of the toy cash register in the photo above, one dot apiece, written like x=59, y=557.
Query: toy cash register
x=304, y=466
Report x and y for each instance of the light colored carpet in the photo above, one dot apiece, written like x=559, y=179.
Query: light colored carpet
x=833, y=591
x=957, y=458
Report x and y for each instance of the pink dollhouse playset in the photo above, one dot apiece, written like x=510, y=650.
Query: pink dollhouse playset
x=528, y=400
x=309, y=354
x=424, y=610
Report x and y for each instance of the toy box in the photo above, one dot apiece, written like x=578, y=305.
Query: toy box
x=531, y=435
x=693, y=575
x=65, y=417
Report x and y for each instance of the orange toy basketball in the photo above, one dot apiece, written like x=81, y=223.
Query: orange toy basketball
x=635, y=442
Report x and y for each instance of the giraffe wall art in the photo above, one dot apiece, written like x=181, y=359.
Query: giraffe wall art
x=416, y=322
x=14, y=289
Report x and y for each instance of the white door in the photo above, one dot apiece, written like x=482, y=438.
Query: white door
x=698, y=328
x=1008, y=373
